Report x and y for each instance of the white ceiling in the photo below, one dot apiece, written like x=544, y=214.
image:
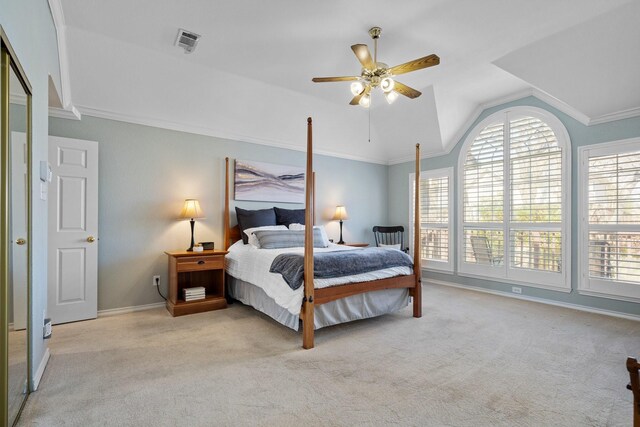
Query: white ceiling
x=250, y=76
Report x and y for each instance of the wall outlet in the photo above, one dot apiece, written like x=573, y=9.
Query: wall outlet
x=156, y=281
x=46, y=330
x=516, y=290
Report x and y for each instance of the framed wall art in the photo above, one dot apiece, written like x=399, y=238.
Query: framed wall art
x=268, y=182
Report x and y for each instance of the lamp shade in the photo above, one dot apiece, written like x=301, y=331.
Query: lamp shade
x=191, y=209
x=341, y=214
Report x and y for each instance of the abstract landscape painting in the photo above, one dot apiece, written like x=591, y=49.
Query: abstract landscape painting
x=268, y=182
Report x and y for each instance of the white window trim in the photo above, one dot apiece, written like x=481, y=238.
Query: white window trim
x=611, y=289
x=546, y=280
x=435, y=173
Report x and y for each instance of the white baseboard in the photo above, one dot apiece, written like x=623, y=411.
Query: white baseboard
x=41, y=367
x=123, y=310
x=539, y=300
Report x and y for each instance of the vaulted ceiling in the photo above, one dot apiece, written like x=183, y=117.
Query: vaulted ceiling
x=250, y=76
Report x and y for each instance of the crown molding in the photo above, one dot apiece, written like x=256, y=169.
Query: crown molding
x=624, y=114
x=62, y=113
x=560, y=105
x=214, y=132
x=412, y=158
x=18, y=98
x=55, y=6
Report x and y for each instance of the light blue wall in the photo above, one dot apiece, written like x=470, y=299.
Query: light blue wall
x=29, y=27
x=580, y=135
x=145, y=173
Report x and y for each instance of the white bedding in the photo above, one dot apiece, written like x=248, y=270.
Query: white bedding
x=250, y=264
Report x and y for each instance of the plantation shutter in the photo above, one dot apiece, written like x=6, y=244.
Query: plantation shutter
x=535, y=168
x=514, y=170
x=614, y=217
x=483, y=194
x=434, y=218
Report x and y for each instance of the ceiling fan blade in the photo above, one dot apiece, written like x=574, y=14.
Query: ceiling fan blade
x=334, y=79
x=416, y=64
x=407, y=91
x=364, y=56
x=356, y=99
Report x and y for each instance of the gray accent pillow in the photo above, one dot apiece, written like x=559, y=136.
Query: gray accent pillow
x=289, y=216
x=278, y=239
x=257, y=218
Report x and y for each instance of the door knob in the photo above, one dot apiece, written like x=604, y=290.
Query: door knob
x=21, y=241
x=91, y=239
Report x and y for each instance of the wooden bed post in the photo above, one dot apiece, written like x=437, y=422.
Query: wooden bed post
x=314, y=197
x=417, y=271
x=226, y=245
x=307, y=302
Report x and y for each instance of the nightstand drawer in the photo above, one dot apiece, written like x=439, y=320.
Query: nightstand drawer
x=196, y=263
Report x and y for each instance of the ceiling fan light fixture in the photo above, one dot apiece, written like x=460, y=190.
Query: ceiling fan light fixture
x=357, y=87
x=387, y=84
x=391, y=96
x=376, y=74
x=365, y=101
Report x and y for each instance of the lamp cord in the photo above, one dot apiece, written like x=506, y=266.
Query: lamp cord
x=158, y=288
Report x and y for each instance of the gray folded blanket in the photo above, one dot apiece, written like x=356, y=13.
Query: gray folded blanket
x=338, y=264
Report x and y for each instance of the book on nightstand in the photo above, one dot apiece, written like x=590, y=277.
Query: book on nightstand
x=193, y=294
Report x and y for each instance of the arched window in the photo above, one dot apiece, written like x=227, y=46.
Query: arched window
x=514, y=199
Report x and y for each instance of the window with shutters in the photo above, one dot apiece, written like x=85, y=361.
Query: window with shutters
x=436, y=210
x=609, y=226
x=514, y=199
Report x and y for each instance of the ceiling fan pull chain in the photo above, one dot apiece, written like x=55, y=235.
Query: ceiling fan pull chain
x=369, y=125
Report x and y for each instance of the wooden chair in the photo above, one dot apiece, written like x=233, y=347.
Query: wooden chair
x=482, y=251
x=390, y=235
x=633, y=367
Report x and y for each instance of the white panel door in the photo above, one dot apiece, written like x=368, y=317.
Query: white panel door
x=18, y=283
x=73, y=230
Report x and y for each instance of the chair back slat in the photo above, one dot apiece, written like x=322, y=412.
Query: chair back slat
x=389, y=235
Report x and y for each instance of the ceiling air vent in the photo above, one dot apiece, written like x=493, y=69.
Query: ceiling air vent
x=187, y=40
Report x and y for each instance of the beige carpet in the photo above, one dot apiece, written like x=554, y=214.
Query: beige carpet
x=473, y=359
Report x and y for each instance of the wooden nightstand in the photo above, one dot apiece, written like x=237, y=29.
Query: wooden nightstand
x=190, y=269
x=357, y=245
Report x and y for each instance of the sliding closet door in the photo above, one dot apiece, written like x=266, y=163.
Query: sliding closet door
x=15, y=236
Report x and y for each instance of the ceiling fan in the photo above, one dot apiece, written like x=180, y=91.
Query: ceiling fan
x=378, y=74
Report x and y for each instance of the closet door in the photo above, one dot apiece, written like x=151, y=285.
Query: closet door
x=15, y=235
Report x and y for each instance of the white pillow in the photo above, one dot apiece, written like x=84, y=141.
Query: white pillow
x=397, y=246
x=323, y=232
x=253, y=240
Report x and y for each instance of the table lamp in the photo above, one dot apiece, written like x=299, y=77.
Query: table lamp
x=340, y=215
x=191, y=210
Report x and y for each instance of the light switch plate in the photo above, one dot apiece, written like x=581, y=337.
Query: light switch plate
x=44, y=189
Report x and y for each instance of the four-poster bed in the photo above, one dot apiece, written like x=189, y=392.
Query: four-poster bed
x=333, y=298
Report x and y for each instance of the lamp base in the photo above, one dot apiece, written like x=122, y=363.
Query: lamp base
x=341, y=242
x=193, y=222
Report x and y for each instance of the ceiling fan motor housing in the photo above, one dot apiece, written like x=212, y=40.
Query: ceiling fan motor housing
x=375, y=76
